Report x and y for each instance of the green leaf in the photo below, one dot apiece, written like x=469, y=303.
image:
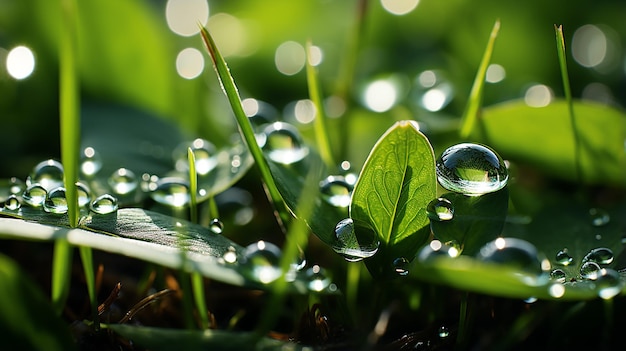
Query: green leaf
x=170, y=339
x=27, y=320
x=395, y=185
x=542, y=137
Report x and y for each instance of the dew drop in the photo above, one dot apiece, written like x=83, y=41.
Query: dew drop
x=443, y=332
x=590, y=270
x=90, y=162
x=563, y=258
x=440, y=210
x=401, y=266
x=437, y=249
x=262, y=261
x=230, y=256
x=48, y=174
x=283, y=143
x=599, y=217
x=84, y=194
x=12, y=203
x=608, y=284
x=34, y=195
x=600, y=255
x=336, y=191
x=317, y=278
x=171, y=191
x=354, y=243
x=123, y=181
x=56, y=201
x=516, y=253
x=104, y=204
x=216, y=226
x=471, y=169
x=530, y=300
x=11, y=186
x=204, y=153
x=558, y=275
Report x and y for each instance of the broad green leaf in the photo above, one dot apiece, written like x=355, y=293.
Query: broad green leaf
x=476, y=221
x=543, y=138
x=395, y=185
x=27, y=320
x=170, y=339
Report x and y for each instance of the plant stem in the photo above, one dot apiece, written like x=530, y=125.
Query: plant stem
x=560, y=47
x=87, y=259
x=61, y=268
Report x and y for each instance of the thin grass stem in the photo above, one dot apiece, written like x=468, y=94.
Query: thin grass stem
x=61, y=269
x=86, y=257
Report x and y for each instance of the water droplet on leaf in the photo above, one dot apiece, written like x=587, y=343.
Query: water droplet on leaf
x=104, y=204
x=56, y=201
x=317, y=278
x=599, y=217
x=204, y=153
x=440, y=210
x=401, y=266
x=123, y=181
x=12, y=203
x=563, y=258
x=48, y=174
x=34, y=195
x=84, y=195
x=11, y=186
x=443, y=332
x=590, y=270
x=283, y=143
x=262, y=259
x=354, y=243
x=230, y=256
x=171, y=191
x=471, y=169
x=558, y=275
x=609, y=283
x=90, y=162
x=600, y=255
x=336, y=191
x=437, y=249
x=216, y=226
x=516, y=253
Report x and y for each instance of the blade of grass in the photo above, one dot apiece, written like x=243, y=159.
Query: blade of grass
x=470, y=115
x=61, y=269
x=230, y=89
x=560, y=48
x=87, y=259
x=319, y=125
x=197, y=282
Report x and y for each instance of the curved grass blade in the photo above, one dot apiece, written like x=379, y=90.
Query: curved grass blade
x=470, y=115
x=395, y=185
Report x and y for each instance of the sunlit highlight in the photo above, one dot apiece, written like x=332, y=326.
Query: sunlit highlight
x=556, y=290
x=20, y=62
x=304, y=111
x=380, y=96
x=315, y=55
x=434, y=99
x=183, y=16
x=538, y=95
x=399, y=7
x=189, y=63
x=289, y=58
x=589, y=46
x=230, y=35
x=250, y=106
x=495, y=73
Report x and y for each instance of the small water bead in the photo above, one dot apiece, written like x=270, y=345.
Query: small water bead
x=90, y=162
x=516, y=253
x=563, y=258
x=443, y=332
x=11, y=186
x=336, y=190
x=48, y=174
x=599, y=217
x=34, y=195
x=608, y=284
x=123, y=181
x=558, y=275
x=600, y=255
x=471, y=169
x=354, y=243
x=590, y=270
x=437, y=249
x=317, y=278
x=204, y=153
x=216, y=226
x=56, y=201
x=530, y=300
x=84, y=194
x=401, y=266
x=440, y=209
x=230, y=256
x=283, y=143
x=171, y=191
x=104, y=204
x=12, y=203
x=262, y=260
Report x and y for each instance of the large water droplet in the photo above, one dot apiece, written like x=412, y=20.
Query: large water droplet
x=354, y=243
x=123, y=181
x=12, y=203
x=401, y=266
x=216, y=226
x=283, y=143
x=609, y=283
x=563, y=258
x=558, y=275
x=104, y=204
x=336, y=190
x=440, y=210
x=204, y=153
x=262, y=261
x=443, y=332
x=600, y=255
x=84, y=194
x=317, y=278
x=34, y=195
x=516, y=253
x=56, y=201
x=437, y=249
x=599, y=217
x=590, y=270
x=11, y=186
x=471, y=169
x=171, y=191
x=48, y=174
x=90, y=162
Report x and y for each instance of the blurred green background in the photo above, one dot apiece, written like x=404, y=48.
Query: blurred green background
x=423, y=55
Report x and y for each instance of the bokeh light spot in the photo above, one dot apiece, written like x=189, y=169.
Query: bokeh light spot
x=538, y=95
x=289, y=58
x=399, y=7
x=380, y=95
x=589, y=46
x=495, y=73
x=183, y=16
x=230, y=35
x=20, y=62
x=189, y=63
